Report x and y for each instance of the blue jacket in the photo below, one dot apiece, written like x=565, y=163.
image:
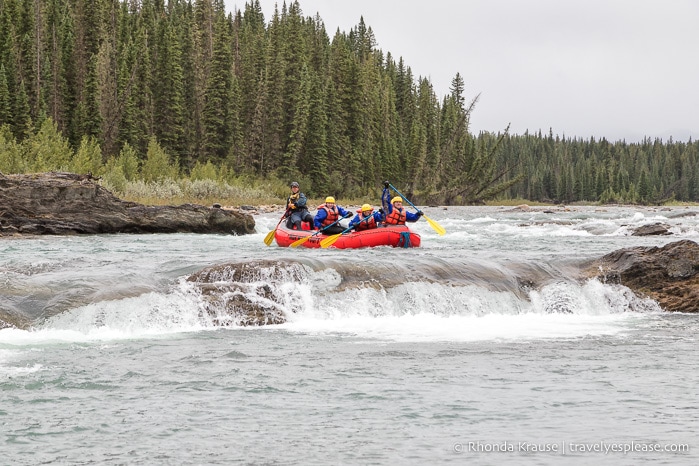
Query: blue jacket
x=322, y=215
x=388, y=207
x=358, y=218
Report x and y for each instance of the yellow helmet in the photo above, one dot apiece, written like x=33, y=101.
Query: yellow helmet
x=367, y=207
x=396, y=199
x=330, y=199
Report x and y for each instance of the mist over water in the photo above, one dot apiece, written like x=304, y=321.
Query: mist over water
x=487, y=333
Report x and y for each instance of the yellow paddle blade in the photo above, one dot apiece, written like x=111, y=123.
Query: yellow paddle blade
x=330, y=240
x=270, y=237
x=299, y=242
x=437, y=227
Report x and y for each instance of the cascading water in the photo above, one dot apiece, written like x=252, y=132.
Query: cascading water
x=213, y=349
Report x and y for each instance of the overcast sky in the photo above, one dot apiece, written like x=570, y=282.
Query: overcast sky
x=620, y=69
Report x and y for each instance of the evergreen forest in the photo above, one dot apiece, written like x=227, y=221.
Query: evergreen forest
x=144, y=91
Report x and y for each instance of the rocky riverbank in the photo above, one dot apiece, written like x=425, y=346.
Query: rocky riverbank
x=667, y=274
x=67, y=203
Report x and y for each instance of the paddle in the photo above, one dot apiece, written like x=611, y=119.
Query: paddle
x=437, y=227
x=299, y=242
x=270, y=236
x=330, y=240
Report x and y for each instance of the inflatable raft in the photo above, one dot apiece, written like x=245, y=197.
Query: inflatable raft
x=393, y=235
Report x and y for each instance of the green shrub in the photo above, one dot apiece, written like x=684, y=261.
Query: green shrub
x=88, y=158
x=205, y=171
x=47, y=149
x=157, y=165
x=114, y=178
x=128, y=160
x=11, y=160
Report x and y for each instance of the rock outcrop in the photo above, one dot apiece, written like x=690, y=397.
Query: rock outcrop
x=246, y=294
x=258, y=292
x=667, y=274
x=653, y=229
x=67, y=203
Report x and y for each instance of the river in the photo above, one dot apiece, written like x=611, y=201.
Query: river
x=483, y=346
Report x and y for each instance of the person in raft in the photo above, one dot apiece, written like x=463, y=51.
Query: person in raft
x=394, y=211
x=366, y=218
x=296, y=208
x=328, y=214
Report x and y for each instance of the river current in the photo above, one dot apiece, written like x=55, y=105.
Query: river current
x=483, y=346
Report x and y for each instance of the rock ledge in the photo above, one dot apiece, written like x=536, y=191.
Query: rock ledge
x=666, y=274
x=60, y=203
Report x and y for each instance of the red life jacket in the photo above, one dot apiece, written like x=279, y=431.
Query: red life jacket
x=366, y=223
x=331, y=215
x=396, y=217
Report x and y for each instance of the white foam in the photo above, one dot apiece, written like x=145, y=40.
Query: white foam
x=544, y=230
x=427, y=312
x=412, y=311
x=424, y=327
x=7, y=357
x=147, y=315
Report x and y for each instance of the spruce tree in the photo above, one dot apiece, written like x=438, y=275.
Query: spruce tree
x=22, y=119
x=5, y=100
x=315, y=163
x=218, y=87
x=168, y=94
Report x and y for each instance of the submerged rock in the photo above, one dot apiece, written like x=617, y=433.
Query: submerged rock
x=67, y=203
x=653, y=229
x=666, y=274
x=5, y=321
x=246, y=294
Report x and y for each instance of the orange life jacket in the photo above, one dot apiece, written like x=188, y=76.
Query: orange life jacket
x=396, y=217
x=366, y=223
x=331, y=215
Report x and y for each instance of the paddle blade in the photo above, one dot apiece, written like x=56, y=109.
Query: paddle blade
x=330, y=240
x=270, y=237
x=299, y=242
x=437, y=227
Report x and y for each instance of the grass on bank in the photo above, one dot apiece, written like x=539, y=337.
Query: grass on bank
x=209, y=192
x=155, y=178
x=204, y=192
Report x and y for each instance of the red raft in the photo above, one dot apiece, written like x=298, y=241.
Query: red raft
x=398, y=236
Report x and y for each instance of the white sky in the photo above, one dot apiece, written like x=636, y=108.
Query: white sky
x=620, y=69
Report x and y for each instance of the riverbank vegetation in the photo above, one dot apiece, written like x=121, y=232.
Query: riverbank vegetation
x=180, y=101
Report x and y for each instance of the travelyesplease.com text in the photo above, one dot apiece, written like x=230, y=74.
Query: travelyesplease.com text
x=564, y=448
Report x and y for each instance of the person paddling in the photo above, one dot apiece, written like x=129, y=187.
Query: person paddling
x=366, y=218
x=328, y=214
x=296, y=208
x=395, y=213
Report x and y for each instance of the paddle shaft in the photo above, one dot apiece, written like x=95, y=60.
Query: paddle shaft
x=330, y=240
x=270, y=235
x=299, y=242
x=436, y=226
x=284, y=215
x=404, y=198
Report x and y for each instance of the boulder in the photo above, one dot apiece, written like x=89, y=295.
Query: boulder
x=68, y=203
x=246, y=294
x=667, y=274
x=653, y=229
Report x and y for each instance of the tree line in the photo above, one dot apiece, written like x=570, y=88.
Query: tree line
x=560, y=169
x=154, y=89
